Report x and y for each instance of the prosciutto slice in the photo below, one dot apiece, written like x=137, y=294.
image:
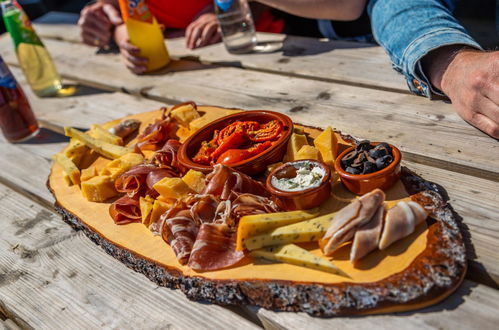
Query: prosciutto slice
x=401, y=221
x=223, y=181
x=125, y=210
x=166, y=157
x=141, y=178
x=180, y=231
x=215, y=248
x=248, y=204
x=156, y=134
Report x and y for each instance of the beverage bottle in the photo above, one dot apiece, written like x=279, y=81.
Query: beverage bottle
x=17, y=120
x=236, y=24
x=33, y=57
x=144, y=32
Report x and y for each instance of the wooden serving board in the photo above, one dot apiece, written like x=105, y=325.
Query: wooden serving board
x=418, y=271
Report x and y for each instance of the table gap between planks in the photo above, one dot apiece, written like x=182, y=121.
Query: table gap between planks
x=476, y=201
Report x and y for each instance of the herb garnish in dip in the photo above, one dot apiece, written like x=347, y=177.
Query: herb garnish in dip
x=300, y=176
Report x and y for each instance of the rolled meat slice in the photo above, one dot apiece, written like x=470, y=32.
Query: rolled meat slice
x=367, y=237
x=223, y=181
x=370, y=203
x=180, y=231
x=125, y=210
x=215, y=248
x=125, y=128
x=156, y=134
x=401, y=221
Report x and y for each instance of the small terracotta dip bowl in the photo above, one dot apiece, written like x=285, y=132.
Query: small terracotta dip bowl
x=301, y=199
x=251, y=166
x=361, y=184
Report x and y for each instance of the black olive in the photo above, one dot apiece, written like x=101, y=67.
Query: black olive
x=369, y=167
x=378, y=152
x=348, y=158
x=385, y=146
x=363, y=145
x=352, y=170
x=383, y=161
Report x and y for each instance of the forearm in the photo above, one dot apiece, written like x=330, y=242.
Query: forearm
x=320, y=9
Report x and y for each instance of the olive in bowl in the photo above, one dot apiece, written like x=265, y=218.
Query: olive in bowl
x=368, y=165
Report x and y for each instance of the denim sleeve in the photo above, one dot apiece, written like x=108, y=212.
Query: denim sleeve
x=410, y=29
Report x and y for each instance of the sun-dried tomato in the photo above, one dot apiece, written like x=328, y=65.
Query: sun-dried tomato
x=267, y=132
x=246, y=126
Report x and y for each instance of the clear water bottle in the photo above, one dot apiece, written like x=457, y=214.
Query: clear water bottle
x=236, y=24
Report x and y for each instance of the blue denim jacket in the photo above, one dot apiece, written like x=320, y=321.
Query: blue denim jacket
x=410, y=29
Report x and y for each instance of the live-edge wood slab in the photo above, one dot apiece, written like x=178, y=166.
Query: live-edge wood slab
x=415, y=272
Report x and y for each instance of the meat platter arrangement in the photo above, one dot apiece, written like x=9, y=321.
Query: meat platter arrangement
x=249, y=208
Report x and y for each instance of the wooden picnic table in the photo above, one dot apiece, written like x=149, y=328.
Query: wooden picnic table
x=54, y=277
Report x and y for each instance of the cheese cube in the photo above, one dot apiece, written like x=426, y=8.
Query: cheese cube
x=184, y=114
x=295, y=143
x=295, y=255
x=98, y=189
x=146, y=206
x=327, y=143
x=76, y=151
x=252, y=225
x=158, y=209
x=88, y=173
x=195, y=180
x=198, y=123
x=305, y=231
x=119, y=166
x=183, y=133
x=69, y=167
x=308, y=152
x=172, y=188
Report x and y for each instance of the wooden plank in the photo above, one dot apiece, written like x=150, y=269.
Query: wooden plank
x=338, y=61
x=54, y=278
x=473, y=198
x=471, y=306
x=428, y=132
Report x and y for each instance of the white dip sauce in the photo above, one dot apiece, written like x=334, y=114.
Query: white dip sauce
x=307, y=176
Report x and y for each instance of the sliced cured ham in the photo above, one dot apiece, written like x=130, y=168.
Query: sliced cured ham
x=401, y=221
x=367, y=237
x=180, y=231
x=166, y=157
x=204, y=209
x=156, y=134
x=248, y=204
x=344, y=227
x=141, y=178
x=223, y=181
x=125, y=210
x=215, y=248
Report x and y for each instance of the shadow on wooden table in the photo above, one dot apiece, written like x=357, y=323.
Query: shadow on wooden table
x=45, y=136
x=298, y=46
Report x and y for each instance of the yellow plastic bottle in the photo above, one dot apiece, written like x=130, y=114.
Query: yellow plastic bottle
x=33, y=57
x=144, y=32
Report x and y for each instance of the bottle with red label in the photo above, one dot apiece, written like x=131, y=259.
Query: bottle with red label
x=144, y=32
x=17, y=120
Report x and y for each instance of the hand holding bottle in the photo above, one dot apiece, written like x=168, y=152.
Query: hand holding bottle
x=203, y=31
x=97, y=21
x=130, y=53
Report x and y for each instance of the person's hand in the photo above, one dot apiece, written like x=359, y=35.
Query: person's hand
x=203, y=31
x=470, y=78
x=130, y=53
x=96, y=23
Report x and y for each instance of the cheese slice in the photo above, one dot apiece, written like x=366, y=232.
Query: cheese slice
x=146, y=206
x=105, y=149
x=295, y=255
x=252, y=225
x=69, y=167
x=305, y=231
x=296, y=142
x=102, y=134
x=327, y=143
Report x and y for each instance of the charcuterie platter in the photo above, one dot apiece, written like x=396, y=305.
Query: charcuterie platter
x=246, y=207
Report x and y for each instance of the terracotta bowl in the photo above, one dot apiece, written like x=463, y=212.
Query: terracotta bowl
x=304, y=199
x=251, y=166
x=363, y=183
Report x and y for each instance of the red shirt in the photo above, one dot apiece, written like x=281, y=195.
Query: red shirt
x=176, y=14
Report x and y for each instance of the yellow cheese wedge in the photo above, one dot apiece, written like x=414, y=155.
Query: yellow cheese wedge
x=296, y=141
x=252, y=225
x=76, y=151
x=305, y=231
x=185, y=114
x=272, y=167
x=88, y=173
x=308, y=152
x=98, y=189
x=195, y=180
x=172, y=188
x=295, y=255
x=69, y=167
x=102, y=134
x=146, y=206
x=105, y=149
x=327, y=143
x=119, y=166
x=158, y=209
x=67, y=179
x=183, y=133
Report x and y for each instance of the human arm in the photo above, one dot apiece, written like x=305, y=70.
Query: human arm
x=340, y=10
x=97, y=21
x=437, y=56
